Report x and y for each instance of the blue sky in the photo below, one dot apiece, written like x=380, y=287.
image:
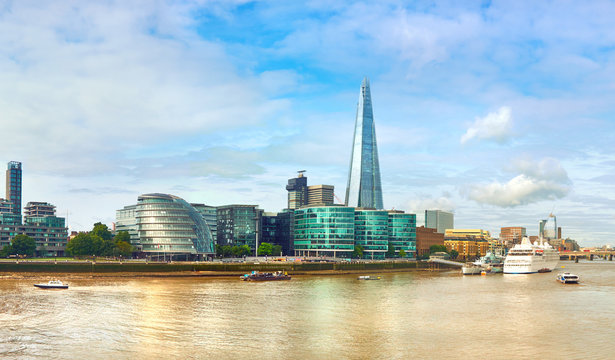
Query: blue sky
x=499, y=111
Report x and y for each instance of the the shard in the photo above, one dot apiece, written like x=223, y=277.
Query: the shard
x=364, y=188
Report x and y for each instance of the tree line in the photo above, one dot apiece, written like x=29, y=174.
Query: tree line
x=100, y=242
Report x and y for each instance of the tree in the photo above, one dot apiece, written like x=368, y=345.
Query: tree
x=454, y=254
x=124, y=248
x=6, y=251
x=402, y=253
x=227, y=251
x=236, y=251
x=244, y=250
x=101, y=230
x=265, y=249
x=358, y=252
x=23, y=245
x=391, y=250
x=85, y=244
x=122, y=236
x=437, y=248
x=277, y=250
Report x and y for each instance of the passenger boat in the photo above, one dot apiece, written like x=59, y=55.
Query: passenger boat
x=53, y=284
x=528, y=257
x=265, y=276
x=368, y=277
x=568, y=278
x=471, y=269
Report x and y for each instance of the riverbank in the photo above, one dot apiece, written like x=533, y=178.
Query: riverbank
x=208, y=269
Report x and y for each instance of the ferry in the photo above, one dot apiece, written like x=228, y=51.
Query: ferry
x=491, y=262
x=53, y=284
x=568, y=278
x=528, y=258
x=266, y=276
x=368, y=277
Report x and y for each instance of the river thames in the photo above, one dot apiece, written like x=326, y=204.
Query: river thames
x=407, y=314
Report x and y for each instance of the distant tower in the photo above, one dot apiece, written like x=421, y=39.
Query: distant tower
x=364, y=188
x=13, y=186
x=297, y=191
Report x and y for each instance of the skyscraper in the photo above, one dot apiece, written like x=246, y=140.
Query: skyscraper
x=13, y=186
x=439, y=220
x=364, y=189
x=297, y=191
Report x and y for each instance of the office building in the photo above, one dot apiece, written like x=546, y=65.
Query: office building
x=512, y=235
x=237, y=225
x=126, y=220
x=324, y=231
x=168, y=225
x=402, y=232
x=425, y=238
x=439, y=220
x=371, y=232
x=548, y=228
x=297, y=191
x=320, y=195
x=13, y=186
x=210, y=215
x=364, y=189
x=284, y=236
x=39, y=209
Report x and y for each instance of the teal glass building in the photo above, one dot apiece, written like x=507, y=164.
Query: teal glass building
x=402, y=232
x=364, y=189
x=371, y=229
x=324, y=231
x=168, y=224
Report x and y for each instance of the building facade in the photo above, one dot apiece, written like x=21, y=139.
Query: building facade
x=402, y=232
x=126, y=220
x=364, y=189
x=169, y=226
x=324, y=231
x=210, y=215
x=237, y=225
x=297, y=191
x=320, y=195
x=13, y=186
x=467, y=247
x=425, y=238
x=512, y=235
x=439, y=220
x=371, y=232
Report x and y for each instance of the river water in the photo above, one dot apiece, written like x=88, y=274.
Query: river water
x=412, y=314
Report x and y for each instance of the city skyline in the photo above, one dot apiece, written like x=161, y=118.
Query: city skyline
x=500, y=112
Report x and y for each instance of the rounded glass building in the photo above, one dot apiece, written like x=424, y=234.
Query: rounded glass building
x=168, y=224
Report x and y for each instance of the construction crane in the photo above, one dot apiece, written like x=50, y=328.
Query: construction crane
x=339, y=200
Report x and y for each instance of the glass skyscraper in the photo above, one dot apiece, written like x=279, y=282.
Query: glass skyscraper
x=364, y=189
x=13, y=186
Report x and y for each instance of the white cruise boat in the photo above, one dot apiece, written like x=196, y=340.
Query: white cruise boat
x=528, y=258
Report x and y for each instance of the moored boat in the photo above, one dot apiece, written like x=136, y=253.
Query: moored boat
x=528, y=258
x=471, y=269
x=53, y=284
x=265, y=276
x=568, y=278
x=368, y=277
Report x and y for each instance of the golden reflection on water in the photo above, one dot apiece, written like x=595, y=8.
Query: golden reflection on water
x=418, y=314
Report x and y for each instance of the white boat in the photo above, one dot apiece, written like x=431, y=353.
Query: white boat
x=568, y=278
x=528, y=258
x=53, y=284
x=471, y=269
x=368, y=277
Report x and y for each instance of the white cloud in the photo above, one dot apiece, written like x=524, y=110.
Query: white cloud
x=495, y=126
x=545, y=180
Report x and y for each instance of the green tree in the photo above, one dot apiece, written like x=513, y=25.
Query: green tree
x=227, y=251
x=277, y=250
x=101, y=230
x=124, y=248
x=6, y=251
x=402, y=253
x=23, y=245
x=245, y=250
x=84, y=244
x=265, y=249
x=391, y=250
x=122, y=236
x=236, y=250
x=358, y=252
x=453, y=254
x=437, y=248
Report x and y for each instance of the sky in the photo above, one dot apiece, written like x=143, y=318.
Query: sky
x=500, y=111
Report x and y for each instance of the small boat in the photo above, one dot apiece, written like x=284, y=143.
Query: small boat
x=265, y=276
x=471, y=269
x=53, y=284
x=568, y=278
x=368, y=277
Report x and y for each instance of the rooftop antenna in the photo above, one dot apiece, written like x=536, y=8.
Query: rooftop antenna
x=300, y=173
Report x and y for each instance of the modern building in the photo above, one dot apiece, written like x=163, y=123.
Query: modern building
x=425, y=238
x=324, y=231
x=548, y=228
x=13, y=186
x=210, y=215
x=285, y=225
x=169, y=226
x=126, y=220
x=39, y=209
x=439, y=220
x=320, y=195
x=512, y=235
x=364, y=188
x=237, y=225
x=371, y=232
x=297, y=191
x=402, y=232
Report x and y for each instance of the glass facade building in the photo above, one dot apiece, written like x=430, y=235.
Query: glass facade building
x=237, y=225
x=210, y=216
x=371, y=228
x=297, y=192
x=13, y=186
x=364, y=189
x=126, y=220
x=324, y=231
x=168, y=224
x=439, y=220
x=402, y=232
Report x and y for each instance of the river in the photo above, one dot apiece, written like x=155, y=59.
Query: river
x=425, y=315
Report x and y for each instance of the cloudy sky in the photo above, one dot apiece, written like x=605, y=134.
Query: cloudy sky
x=502, y=112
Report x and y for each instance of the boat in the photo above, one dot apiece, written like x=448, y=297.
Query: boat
x=368, y=277
x=529, y=258
x=471, y=269
x=568, y=278
x=53, y=284
x=265, y=276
